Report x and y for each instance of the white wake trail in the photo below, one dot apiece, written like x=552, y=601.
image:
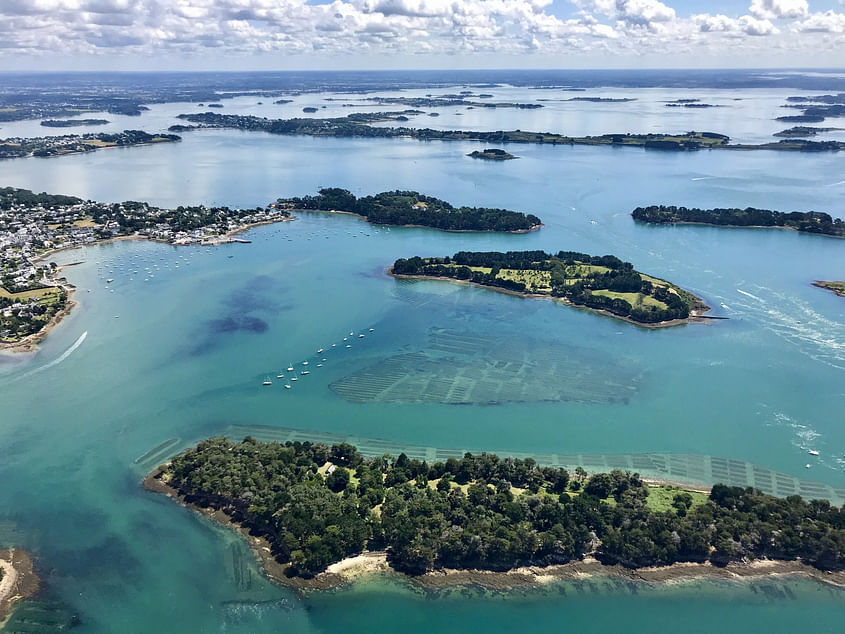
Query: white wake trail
x=59, y=359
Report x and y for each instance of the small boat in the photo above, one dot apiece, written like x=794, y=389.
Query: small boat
x=813, y=452
x=807, y=466
x=304, y=372
x=360, y=336
x=290, y=369
x=372, y=329
x=280, y=376
x=333, y=345
x=293, y=378
x=109, y=281
x=287, y=387
x=346, y=338
x=351, y=333
x=319, y=365
x=348, y=346
x=304, y=363
x=320, y=351
x=323, y=360
x=267, y=381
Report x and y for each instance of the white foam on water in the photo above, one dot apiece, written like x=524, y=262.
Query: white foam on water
x=795, y=321
x=746, y=293
x=807, y=438
x=57, y=360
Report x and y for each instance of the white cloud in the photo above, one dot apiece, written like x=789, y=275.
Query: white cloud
x=771, y=9
x=745, y=25
x=827, y=22
x=614, y=28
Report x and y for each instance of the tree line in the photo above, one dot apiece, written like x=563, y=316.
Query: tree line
x=412, y=208
x=809, y=221
x=487, y=512
x=568, y=279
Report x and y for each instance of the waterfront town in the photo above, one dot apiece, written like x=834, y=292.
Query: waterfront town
x=32, y=226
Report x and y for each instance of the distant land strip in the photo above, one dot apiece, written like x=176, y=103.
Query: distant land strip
x=22, y=147
x=358, y=125
x=806, y=222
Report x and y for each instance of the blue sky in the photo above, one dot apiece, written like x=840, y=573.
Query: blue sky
x=301, y=34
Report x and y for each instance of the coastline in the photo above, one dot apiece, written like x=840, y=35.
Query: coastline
x=370, y=563
x=30, y=342
x=712, y=224
x=19, y=581
x=696, y=316
x=379, y=224
x=826, y=286
x=97, y=148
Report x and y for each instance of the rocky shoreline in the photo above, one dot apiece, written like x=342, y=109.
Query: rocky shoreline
x=372, y=563
x=18, y=582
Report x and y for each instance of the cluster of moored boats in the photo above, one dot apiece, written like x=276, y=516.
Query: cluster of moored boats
x=293, y=374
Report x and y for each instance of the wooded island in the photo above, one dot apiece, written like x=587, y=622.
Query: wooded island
x=808, y=222
x=317, y=505
x=409, y=208
x=599, y=282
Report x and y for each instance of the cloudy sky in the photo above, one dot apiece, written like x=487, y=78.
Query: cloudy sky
x=343, y=34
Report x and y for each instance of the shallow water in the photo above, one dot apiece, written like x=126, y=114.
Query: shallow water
x=178, y=345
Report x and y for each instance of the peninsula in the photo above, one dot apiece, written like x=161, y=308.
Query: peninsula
x=603, y=283
x=412, y=209
x=802, y=131
x=70, y=123
x=20, y=147
x=806, y=222
x=358, y=125
x=836, y=287
x=17, y=580
x=492, y=154
x=34, y=296
x=308, y=506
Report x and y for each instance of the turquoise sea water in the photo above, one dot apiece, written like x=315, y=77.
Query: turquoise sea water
x=178, y=345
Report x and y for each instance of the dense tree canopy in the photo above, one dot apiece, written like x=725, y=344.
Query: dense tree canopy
x=810, y=221
x=600, y=282
x=413, y=208
x=483, y=511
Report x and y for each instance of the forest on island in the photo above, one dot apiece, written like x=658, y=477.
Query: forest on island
x=598, y=282
x=413, y=208
x=809, y=222
x=486, y=512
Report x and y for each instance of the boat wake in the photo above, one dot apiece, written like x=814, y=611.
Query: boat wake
x=795, y=320
x=747, y=294
x=809, y=441
x=57, y=360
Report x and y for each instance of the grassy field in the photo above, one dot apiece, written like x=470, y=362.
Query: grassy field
x=97, y=143
x=660, y=497
x=85, y=222
x=44, y=295
x=536, y=281
x=634, y=299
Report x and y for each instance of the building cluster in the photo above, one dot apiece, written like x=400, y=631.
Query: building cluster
x=29, y=228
